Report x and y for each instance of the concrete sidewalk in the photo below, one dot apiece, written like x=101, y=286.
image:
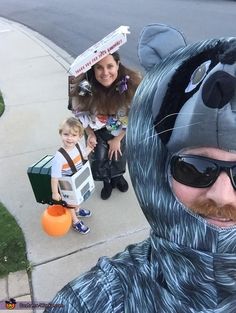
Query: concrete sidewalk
x=33, y=80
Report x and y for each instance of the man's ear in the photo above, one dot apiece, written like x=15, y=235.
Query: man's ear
x=156, y=42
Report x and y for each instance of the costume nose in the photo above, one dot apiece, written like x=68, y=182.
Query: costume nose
x=218, y=89
x=222, y=191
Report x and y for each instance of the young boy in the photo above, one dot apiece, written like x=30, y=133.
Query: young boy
x=71, y=132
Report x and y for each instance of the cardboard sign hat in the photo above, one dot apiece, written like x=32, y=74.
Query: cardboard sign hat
x=98, y=51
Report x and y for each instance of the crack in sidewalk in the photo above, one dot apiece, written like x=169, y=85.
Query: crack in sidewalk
x=90, y=246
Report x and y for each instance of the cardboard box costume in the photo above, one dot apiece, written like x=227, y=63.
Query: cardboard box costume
x=73, y=189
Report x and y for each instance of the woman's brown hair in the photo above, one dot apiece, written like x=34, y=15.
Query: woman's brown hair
x=106, y=100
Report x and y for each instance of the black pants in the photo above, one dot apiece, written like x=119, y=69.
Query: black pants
x=103, y=168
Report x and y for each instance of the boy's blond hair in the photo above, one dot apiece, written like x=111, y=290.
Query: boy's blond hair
x=74, y=124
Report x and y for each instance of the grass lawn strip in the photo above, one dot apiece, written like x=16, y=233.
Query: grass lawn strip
x=12, y=244
x=2, y=107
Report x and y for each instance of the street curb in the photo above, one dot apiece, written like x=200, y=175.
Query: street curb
x=60, y=55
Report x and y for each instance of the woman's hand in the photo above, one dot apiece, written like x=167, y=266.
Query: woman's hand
x=114, y=148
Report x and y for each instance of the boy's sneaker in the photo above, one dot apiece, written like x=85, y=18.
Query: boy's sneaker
x=81, y=228
x=83, y=213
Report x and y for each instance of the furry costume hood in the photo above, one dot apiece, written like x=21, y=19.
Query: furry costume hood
x=186, y=99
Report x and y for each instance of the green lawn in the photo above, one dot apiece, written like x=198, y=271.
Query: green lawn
x=12, y=243
x=1, y=104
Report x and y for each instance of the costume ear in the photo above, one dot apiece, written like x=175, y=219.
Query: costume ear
x=156, y=42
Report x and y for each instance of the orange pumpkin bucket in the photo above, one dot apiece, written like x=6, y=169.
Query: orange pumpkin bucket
x=56, y=220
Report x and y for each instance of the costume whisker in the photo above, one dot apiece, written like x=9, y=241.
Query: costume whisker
x=169, y=129
x=169, y=115
x=172, y=114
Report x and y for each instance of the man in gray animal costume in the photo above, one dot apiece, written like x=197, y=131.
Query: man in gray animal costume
x=182, y=136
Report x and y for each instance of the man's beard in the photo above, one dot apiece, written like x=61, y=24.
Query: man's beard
x=208, y=208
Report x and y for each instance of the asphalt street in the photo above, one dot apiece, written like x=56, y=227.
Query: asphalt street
x=74, y=25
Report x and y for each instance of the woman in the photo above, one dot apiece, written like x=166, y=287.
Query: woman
x=101, y=100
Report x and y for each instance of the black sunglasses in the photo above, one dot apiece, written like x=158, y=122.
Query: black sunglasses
x=200, y=172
